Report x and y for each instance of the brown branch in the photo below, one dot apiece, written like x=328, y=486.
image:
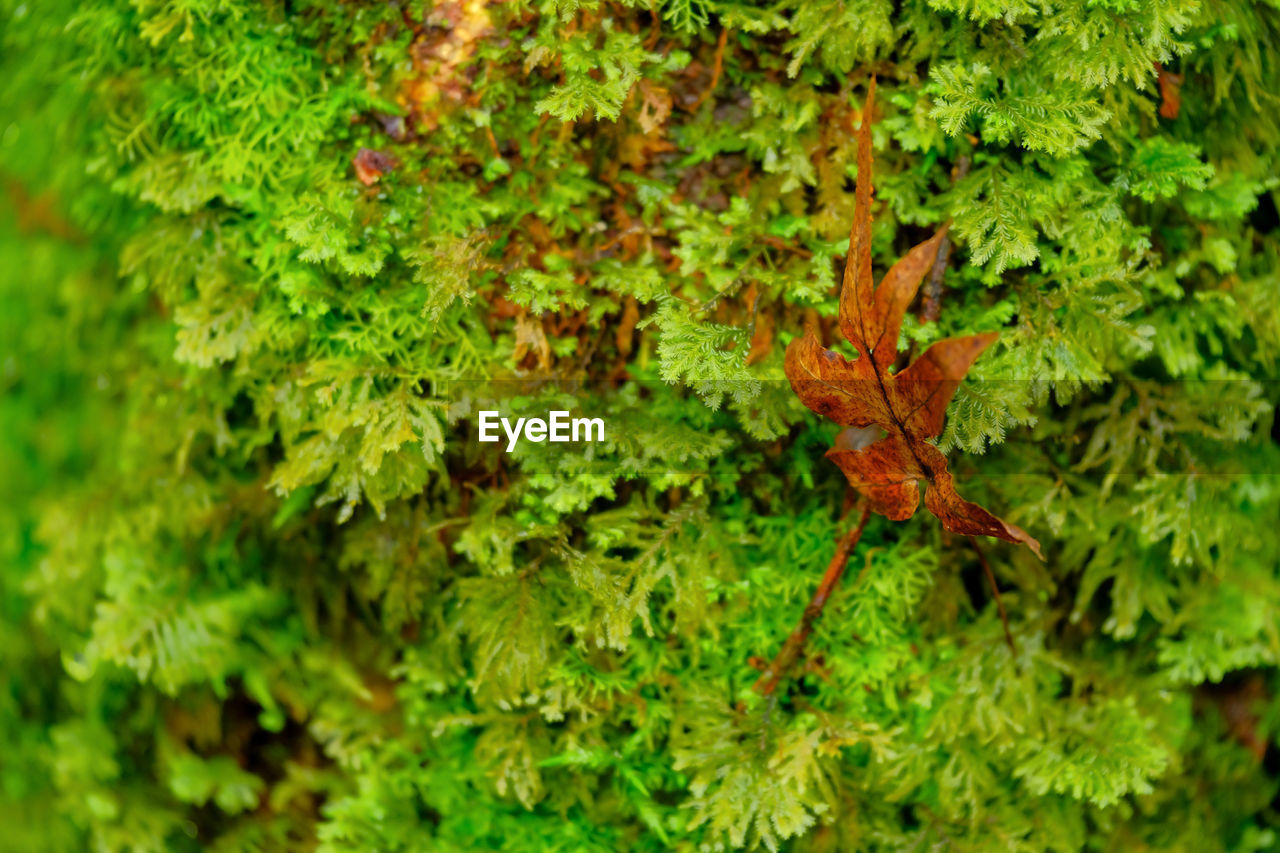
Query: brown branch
x=767, y=683
x=933, y=287
x=493, y=143
x=779, y=243
x=991, y=579
x=716, y=69
x=655, y=28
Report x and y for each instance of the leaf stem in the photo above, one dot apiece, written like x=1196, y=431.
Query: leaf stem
x=768, y=681
x=991, y=579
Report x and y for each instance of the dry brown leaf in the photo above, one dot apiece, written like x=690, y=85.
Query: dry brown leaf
x=655, y=106
x=372, y=165
x=1170, y=92
x=908, y=407
x=530, y=338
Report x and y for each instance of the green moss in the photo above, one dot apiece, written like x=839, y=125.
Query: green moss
x=262, y=589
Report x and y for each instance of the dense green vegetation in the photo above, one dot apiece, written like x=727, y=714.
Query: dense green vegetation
x=262, y=589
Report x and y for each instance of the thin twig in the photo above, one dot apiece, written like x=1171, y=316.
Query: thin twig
x=716, y=69
x=655, y=29
x=779, y=243
x=991, y=579
x=711, y=303
x=767, y=683
x=933, y=287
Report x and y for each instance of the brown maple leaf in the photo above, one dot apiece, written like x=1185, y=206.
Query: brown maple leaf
x=908, y=407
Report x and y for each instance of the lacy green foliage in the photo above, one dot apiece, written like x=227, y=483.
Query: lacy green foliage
x=262, y=590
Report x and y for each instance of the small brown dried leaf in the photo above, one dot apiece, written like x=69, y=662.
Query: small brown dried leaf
x=372, y=165
x=530, y=338
x=1170, y=92
x=907, y=407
